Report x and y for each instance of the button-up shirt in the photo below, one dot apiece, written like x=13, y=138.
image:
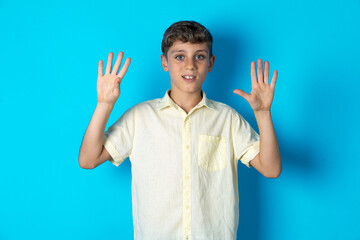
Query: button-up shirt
x=184, y=167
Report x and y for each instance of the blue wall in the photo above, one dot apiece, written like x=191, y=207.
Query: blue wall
x=48, y=70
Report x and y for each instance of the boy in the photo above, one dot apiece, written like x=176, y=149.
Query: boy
x=184, y=148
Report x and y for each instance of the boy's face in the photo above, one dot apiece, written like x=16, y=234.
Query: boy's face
x=188, y=64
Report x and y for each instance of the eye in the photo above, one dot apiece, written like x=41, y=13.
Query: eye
x=200, y=57
x=179, y=57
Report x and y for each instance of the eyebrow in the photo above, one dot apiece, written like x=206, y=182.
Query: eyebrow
x=180, y=50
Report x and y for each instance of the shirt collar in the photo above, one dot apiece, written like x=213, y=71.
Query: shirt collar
x=166, y=101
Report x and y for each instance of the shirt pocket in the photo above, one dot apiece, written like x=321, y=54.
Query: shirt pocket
x=212, y=153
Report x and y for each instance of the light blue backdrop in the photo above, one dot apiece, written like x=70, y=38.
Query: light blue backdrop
x=48, y=69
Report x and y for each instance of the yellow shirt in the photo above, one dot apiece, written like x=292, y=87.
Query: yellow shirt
x=184, y=167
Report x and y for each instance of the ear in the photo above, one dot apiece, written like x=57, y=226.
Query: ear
x=164, y=63
x=211, y=63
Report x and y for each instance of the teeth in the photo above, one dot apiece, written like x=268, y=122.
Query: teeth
x=188, y=77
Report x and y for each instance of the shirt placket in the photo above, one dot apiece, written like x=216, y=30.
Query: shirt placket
x=186, y=179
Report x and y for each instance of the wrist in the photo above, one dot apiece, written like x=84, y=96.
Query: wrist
x=262, y=114
x=105, y=106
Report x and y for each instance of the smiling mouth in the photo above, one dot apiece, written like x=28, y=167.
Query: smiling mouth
x=188, y=77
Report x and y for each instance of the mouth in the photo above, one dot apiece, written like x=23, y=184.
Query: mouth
x=189, y=78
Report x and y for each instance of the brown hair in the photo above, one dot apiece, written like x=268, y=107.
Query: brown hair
x=186, y=31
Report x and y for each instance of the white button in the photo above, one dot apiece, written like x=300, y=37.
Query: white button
x=187, y=147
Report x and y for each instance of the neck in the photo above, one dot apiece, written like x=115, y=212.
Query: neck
x=186, y=101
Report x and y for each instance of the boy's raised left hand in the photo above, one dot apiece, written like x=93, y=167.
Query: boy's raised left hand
x=262, y=93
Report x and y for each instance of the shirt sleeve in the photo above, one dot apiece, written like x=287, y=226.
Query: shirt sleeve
x=119, y=138
x=245, y=139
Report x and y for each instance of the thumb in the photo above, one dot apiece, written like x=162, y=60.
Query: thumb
x=117, y=86
x=241, y=93
x=117, y=82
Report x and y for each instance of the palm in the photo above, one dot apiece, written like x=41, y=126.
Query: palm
x=262, y=92
x=108, y=85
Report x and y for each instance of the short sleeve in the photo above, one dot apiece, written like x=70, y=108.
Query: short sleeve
x=245, y=139
x=119, y=138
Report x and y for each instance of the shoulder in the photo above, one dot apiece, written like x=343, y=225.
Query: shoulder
x=223, y=108
x=146, y=106
x=228, y=111
x=131, y=113
x=149, y=104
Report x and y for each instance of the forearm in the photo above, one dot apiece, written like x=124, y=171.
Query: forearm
x=270, y=158
x=92, y=143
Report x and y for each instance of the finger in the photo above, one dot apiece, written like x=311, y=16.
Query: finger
x=117, y=63
x=124, y=68
x=100, y=69
x=266, y=72
x=253, y=75
x=241, y=93
x=260, y=76
x=109, y=63
x=274, y=78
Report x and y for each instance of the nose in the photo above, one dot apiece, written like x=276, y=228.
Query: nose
x=190, y=64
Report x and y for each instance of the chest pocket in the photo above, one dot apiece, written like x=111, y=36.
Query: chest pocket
x=212, y=153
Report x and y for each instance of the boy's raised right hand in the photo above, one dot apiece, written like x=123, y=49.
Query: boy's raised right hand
x=108, y=85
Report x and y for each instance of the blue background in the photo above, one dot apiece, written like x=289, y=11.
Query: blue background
x=49, y=56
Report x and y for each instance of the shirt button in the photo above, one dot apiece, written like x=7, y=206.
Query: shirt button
x=187, y=238
x=187, y=147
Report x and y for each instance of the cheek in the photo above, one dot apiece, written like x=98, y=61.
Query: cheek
x=204, y=66
x=172, y=71
x=174, y=68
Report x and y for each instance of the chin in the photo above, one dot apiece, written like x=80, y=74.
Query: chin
x=186, y=88
x=193, y=90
